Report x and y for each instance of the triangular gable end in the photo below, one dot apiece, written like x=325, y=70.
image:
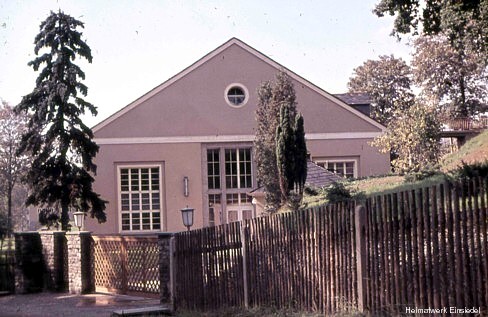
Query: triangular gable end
x=209, y=56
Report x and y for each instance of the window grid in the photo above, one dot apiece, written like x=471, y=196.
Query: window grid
x=140, y=198
x=213, y=168
x=238, y=172
x=346, y=169
x=236, y=96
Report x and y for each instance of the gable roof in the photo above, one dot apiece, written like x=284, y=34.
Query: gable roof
x=218, y=50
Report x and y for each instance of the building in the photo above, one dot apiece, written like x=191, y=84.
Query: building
x=188, y=142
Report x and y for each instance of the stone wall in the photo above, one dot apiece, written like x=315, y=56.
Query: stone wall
x=166, y=268
x=29, y=263
x=80, y=263
x=56, y=261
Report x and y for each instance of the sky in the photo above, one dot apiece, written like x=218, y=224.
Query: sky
x=137, y=45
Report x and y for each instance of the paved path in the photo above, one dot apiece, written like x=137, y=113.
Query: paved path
x=64, y=304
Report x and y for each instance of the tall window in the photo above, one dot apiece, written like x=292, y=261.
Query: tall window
x=213, y=168
x=238, y=168
x=230, y=177
x=140, y=198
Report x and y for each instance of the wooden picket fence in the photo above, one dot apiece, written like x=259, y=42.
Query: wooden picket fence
x=420, y=248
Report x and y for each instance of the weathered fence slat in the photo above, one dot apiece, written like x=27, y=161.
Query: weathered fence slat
x=425, y=247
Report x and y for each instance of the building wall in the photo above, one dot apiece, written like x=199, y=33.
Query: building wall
x=178, y=160
x=172, y=124
x=370, y=161
x=195, y=104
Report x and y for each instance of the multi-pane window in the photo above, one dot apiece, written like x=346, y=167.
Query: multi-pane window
x=213, y=168
x=213, y=207
x=140, y=202
x=229, y=178
x=344, y=168
x=236, y=96
x=238, y=173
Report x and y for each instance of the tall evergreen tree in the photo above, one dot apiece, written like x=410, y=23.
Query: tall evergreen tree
x=61, y=145
x=300, y=155
x=291, y=154
x=285, y=149
x=271, y=96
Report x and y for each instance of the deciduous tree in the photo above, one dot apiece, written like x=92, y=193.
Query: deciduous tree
x=12, y=166
x=60, y=144
x=387, y=80
x=463, y=22
x=456, y=83
x=413, y=135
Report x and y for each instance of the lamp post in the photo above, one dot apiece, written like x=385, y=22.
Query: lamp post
x=79, y=219
x=187, y=215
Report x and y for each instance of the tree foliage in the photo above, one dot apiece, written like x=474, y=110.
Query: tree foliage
x=12, y=167
x=454, y=82
x=464, y=23
x=59, y=142
x=387, y=80
x=414, y=137
x=291, y=153
x=277, y=112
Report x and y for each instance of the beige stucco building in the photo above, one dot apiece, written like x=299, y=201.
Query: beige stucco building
x=188, y=142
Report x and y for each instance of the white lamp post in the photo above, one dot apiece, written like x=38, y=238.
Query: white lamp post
x=79, y=219
x=187, y=215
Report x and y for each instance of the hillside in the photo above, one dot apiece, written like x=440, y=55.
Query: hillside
x=475, y=150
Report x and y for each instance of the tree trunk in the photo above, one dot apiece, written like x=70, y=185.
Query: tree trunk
x=64, y=216
x=9, y=209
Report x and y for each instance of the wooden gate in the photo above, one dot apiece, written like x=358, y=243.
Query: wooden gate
x=127, y=265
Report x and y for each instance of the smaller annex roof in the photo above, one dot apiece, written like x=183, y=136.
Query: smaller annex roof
x=355, y=98
x=317, y=176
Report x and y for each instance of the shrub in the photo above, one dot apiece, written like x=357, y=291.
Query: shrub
x=338, y=192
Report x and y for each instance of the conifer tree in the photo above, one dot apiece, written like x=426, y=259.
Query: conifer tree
x=285, y=149
x=301, y=155
x=61, y=145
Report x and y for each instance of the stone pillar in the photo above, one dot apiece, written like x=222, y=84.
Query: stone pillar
x=167, y=269
x=55, y=260
x=81, y=277
x=29, y=262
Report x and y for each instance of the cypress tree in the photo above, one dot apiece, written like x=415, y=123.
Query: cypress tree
x=300, y=155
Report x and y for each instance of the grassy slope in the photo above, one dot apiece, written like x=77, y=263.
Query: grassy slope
x=475, y=150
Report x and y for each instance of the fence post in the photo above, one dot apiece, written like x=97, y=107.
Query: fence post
x=361, y=229
x=81, y=278
x=244, y=263
x=167, y=265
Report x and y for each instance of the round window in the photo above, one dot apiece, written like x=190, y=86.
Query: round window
x=236, y=95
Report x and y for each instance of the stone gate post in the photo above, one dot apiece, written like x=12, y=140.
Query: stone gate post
x=167, y=269
x=81, y=278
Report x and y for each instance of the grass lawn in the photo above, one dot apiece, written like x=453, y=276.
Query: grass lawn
x=256, y=312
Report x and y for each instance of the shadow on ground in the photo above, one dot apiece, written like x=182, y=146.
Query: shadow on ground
x=63, y=304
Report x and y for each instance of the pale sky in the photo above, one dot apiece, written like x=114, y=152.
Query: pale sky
x=137, y=45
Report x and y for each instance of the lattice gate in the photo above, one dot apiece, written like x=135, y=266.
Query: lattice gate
x=127, y=265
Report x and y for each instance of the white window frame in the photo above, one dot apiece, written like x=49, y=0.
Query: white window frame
x=240, y=86
x=224, y=190
x=151, y=211
x=344, y=160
